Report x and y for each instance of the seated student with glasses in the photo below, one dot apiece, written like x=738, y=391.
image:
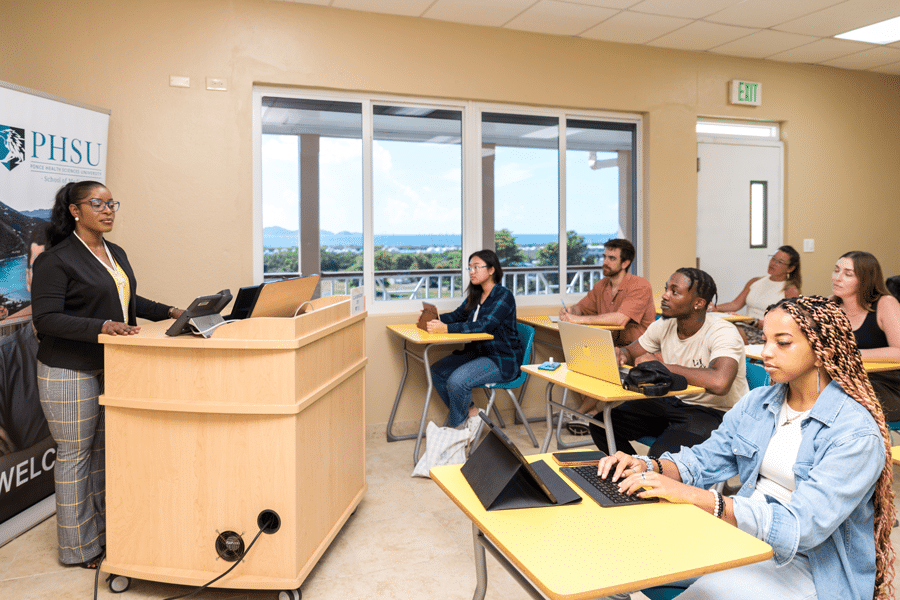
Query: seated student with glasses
x=82, y=286
x=706, y=350
x=783, y=281
x=489, y=308
x=813, y=455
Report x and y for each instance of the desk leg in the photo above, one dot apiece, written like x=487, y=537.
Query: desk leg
x=391, y=437
x=480, y=565
x=482, y=544
x=560, y=444
x=427, y=364
x=607, y=420
x=548, y=396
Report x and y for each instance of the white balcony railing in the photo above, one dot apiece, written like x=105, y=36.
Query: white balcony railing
x=448, y=283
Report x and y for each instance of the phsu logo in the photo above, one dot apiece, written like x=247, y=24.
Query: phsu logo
x=12, y=146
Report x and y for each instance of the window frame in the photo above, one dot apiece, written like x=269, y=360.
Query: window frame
x=471, y=181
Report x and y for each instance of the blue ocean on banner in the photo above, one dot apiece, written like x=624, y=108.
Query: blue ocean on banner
x=278, y=237
x=12, y=278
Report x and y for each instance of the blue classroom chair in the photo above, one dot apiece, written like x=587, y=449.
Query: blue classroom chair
x=526, y=336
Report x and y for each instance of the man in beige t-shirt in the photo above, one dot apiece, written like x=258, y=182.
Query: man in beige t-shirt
x=705, y=349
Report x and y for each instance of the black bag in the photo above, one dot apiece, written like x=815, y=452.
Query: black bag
x=652, y=378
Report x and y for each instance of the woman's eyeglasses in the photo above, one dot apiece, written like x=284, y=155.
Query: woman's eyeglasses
x=779, y=261
x=98, y=204
x=474, y=268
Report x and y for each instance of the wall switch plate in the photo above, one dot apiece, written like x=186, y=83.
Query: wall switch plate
x=809, y=245
x=217, y=84
x=179, y=81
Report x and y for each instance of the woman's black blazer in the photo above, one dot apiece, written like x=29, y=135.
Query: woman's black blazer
x=72, y=295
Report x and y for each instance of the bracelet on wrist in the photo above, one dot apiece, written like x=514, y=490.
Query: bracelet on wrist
x=719, y=509
x=658, y=463
x=646, y=460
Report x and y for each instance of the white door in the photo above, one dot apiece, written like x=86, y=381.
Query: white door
x=739, y=210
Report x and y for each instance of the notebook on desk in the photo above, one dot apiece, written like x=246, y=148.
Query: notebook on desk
x=590, y=351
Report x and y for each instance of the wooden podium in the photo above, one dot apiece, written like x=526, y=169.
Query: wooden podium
x=202, y=435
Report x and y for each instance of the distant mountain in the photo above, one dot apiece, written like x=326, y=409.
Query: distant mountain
x=14, y=229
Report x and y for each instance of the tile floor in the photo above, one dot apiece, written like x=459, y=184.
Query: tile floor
x=426, y=554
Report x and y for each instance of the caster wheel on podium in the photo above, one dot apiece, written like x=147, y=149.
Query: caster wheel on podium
x=118, y=583
x=290, y=595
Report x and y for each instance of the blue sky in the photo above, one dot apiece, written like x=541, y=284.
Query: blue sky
x=417, y=188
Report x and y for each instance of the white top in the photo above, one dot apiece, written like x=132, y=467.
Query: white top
x=716, y=338
x=776, y=472
x=763, y=293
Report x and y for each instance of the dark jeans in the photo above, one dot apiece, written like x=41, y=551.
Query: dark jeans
x=672, y=422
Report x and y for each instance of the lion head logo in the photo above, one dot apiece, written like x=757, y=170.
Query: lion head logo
x=12, y=146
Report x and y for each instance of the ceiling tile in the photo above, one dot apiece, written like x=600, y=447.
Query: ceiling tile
x=634, y=28
x=893, y=69
x=842, y=17
x=820, y=51
x=700, y=36
x=763, y=43
x=493, y=13
x=867, y=59
x=617, y=4
x=406, y=8
x=688, y=9
x=317, y=2
x=768, y=13
x=560, y=18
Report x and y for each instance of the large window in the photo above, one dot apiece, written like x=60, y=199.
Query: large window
x=394, y=195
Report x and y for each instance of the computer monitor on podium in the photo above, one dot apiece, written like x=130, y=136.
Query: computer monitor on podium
x=284, y=297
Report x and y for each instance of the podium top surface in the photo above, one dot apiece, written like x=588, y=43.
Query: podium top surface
x=326, y=316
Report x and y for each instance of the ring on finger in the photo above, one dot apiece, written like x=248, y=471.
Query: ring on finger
x=643, y=476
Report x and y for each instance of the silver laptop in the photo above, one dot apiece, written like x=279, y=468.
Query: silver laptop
x=590, y=351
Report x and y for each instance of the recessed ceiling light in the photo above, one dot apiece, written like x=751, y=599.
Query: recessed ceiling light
x=878, y=33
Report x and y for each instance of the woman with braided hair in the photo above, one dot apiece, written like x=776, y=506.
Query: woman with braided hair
x=812, y=454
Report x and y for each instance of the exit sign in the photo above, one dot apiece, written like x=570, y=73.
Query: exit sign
x=746, y=92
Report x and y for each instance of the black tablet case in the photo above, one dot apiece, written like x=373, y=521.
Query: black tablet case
x=501, y=482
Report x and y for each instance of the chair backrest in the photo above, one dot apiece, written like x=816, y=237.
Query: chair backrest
x=756, y=375
x=526, y=336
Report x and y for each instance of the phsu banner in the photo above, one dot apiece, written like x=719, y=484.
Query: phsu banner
x=45, y=142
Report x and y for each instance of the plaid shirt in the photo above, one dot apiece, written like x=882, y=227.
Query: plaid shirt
x=497, y=316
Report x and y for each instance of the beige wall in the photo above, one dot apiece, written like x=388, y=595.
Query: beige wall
x=180, y=159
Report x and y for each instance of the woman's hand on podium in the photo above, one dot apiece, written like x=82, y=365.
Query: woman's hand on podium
x=116, y=328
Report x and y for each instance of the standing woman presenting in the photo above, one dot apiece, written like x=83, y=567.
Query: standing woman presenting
x=82, y=286
x=874, y=314
x=490, y=308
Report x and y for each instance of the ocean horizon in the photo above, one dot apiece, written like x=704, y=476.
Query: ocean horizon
x=278, y=237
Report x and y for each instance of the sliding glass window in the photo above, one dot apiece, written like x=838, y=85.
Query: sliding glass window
x=394, y=195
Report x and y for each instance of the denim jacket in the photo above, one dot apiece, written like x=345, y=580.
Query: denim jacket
x=831, y=513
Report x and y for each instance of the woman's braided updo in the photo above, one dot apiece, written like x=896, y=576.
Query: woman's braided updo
x=829, y=333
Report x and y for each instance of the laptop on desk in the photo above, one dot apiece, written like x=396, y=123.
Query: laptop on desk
x=590, y=351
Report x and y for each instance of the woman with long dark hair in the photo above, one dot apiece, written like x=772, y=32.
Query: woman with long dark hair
x=813, y=456
x=782, y=281
x=489, y=308
x=859, y=289
x=82, y=286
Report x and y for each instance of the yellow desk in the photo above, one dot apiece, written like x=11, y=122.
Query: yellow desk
x=895, y=455
x=544, y=322
x=410, y=334
x=583, y=551
x=730, y=317
x=754, y=352
x=610, y=394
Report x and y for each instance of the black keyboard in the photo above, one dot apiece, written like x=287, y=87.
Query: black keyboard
x=604, y=491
